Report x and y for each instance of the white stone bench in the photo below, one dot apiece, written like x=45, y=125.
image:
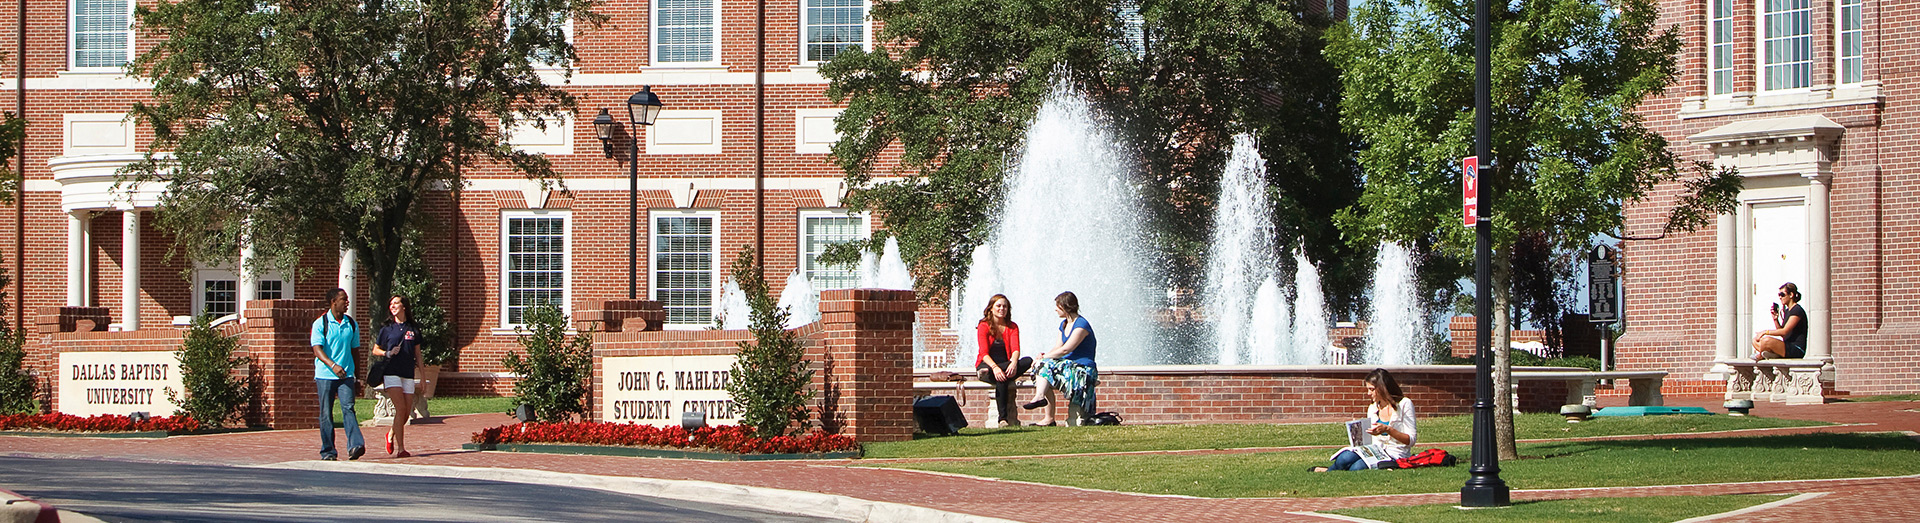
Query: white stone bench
x=1580, y=384
x=1791, y=381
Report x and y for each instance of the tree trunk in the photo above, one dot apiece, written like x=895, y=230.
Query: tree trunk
x=1503, y=400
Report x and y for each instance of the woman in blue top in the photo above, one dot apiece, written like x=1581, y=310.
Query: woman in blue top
x=1069, y=366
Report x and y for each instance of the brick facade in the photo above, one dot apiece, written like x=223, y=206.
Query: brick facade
x=1869, y=171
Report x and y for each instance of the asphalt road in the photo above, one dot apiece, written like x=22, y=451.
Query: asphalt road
x=139, y=491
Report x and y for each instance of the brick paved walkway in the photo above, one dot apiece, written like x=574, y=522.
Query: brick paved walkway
x=1875, y=499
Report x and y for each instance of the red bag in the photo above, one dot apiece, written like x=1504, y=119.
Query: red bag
x=1426, y=458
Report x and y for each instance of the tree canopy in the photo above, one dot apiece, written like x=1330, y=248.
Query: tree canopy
x=282, y=124
x=953, y=84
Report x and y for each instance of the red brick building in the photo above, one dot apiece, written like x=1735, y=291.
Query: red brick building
x=88, y=245
x=1813, y=101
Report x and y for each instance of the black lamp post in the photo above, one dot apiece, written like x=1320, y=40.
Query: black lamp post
x=1484, y=487
x=642, y=109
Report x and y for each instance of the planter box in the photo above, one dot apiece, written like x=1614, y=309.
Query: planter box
x=602, y=450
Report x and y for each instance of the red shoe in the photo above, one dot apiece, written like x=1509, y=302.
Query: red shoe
x=389, y=442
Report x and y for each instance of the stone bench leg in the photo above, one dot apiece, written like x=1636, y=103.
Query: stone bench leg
x=1740, y=383
x=1646, y=392
x=1802, y=387
x=1579, y=392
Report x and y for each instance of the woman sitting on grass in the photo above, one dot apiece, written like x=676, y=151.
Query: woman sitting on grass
x=1389, y=422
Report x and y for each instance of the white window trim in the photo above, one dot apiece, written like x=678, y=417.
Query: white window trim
x=800, y=241
x=566, y=262
x=866, y=32
x=73, y=42
x=653, y=39
x=1760, y=52
x=1839, y=44
x=653, y=249
x=202, y=274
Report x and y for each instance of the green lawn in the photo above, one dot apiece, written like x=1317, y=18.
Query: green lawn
x=1543, y=466
x=1892, y=397
x=1592, y=510
x=447, y=406
x=1026, y=441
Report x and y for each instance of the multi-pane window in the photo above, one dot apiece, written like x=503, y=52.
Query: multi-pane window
x=541, y=57
x=819, y=231
x=683, y=266
x=536, y=264
x=1133, y=28
x=685, y=31
x=102, y=33
x=219, y=297
x=832, y=26
x=1721, y=48
x=1850, y=44
x=1788, y=44
x=270, y=290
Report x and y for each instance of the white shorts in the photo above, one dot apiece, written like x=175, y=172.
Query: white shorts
x=405, y=385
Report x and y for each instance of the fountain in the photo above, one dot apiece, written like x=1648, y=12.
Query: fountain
x=1240, y=255
x=1070, y=222
x=800, y=300
x=1397, y=323
x=1310, y=341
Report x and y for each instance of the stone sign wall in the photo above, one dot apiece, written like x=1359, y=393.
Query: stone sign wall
x=121, y=383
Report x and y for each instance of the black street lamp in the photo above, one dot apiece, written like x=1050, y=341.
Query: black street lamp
x=642, y=109
x=603, y=127
x=1484, y=487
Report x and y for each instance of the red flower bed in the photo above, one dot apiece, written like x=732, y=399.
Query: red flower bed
x=99, y=423
x=736, y=439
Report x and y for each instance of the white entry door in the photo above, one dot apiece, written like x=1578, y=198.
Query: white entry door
x=1779, y=256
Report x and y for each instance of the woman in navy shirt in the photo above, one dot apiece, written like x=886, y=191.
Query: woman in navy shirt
x=399, y=342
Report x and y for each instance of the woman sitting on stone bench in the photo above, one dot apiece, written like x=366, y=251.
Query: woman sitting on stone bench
x=1788, y=339
x=1069, y=366
x=999, y=339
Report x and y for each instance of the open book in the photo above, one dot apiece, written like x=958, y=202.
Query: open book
x=1358, y=442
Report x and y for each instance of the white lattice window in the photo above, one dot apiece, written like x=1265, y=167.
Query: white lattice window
x=1720, y=46
x=1787, y=40
x=819, y=229
x=535, y=263
x=216, y=291
x=1852, y=48
x=686, y=32
x=100, y=34
x=685, y=268
x=831, y=26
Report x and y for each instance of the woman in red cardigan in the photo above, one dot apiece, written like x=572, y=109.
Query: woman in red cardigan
x=999, y=339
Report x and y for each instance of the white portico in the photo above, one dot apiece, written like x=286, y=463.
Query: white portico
x=1778, y=234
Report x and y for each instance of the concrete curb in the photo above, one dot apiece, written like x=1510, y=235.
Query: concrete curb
x=788, y=501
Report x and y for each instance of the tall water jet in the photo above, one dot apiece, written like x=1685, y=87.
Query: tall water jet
x=1269, y=341
x=1310, y=341
x=1396, y=324
x=1239, y=254
x=800, y=300
x=735, y=313
x=1070, y=221
x=886, y=271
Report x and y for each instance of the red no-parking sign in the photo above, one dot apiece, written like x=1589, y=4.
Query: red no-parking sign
x=1470, y=185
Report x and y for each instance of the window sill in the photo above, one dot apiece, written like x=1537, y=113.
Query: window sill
x=1818, y=97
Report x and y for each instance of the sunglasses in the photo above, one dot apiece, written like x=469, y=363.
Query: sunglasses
x=1783, y=295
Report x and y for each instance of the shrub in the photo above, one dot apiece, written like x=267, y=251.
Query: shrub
x=207, y=363
x=554, y=373
x=16, y=386
x=769, y=379
x=412, y=279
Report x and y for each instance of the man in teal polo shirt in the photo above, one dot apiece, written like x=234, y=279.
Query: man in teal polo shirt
x=335, y=335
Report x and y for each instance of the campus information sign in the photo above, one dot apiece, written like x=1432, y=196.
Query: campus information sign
x=655, y=390
x=93, y=383
x=1603, y=285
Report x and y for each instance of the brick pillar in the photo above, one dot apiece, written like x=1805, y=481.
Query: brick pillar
x=277, y=334
x=621, y=316
x=868, y=375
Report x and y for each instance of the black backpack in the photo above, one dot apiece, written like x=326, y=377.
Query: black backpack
x=1104, y=418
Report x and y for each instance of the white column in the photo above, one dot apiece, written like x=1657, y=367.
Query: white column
x=1726, y=335
x=1819, y=272
x=347, y=276
x=77, y=223
x=130, y=270
x=249, y=281
x=1743, y=270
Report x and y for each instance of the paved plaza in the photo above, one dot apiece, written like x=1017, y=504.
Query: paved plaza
x=836, y=489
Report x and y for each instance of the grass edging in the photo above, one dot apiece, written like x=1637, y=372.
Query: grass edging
x=638, y=452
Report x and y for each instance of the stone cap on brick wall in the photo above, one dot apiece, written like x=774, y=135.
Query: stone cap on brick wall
x=621, y=316
x=72, y=319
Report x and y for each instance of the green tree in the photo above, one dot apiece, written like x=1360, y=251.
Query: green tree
x=554, y=373
x=214, y=395
x=949, y=91
x=16, y=385
x=769, y=379
x=1569, y=150
x=279, y=124
x=416, y=282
